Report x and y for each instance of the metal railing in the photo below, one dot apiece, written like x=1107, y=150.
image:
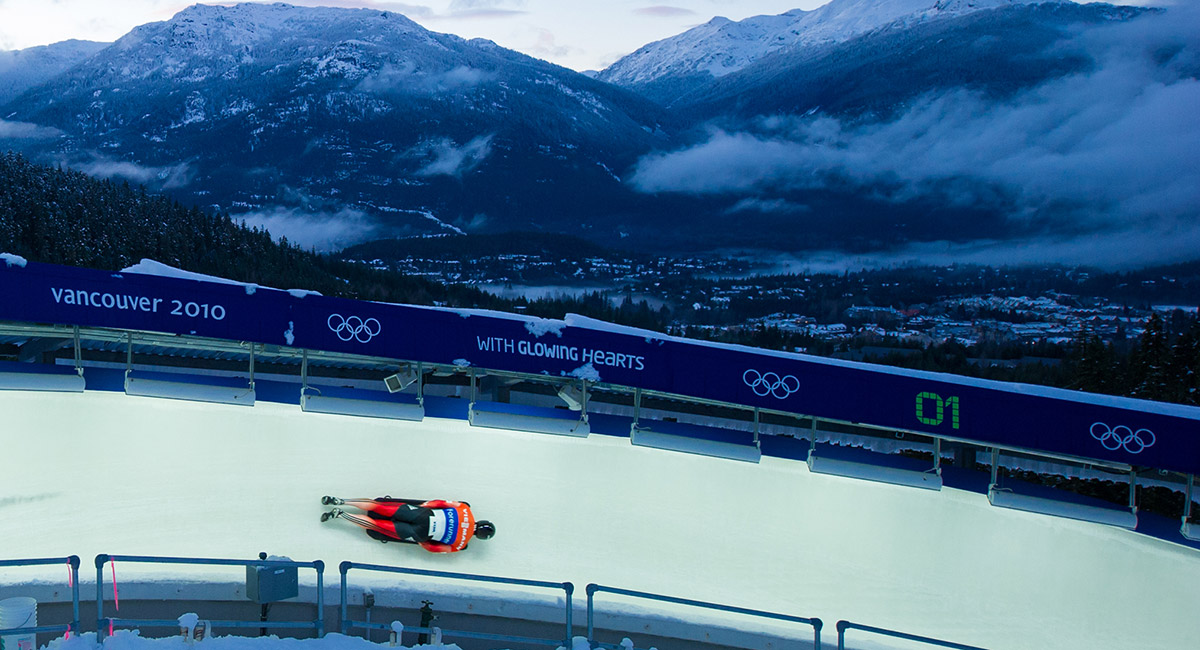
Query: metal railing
x=73, y=562
x=593, y=588
x=105, y=624
x=348, y=623
x=842, y=626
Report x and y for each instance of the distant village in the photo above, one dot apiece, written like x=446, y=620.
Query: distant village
x=1044, y=319
x=905, y=309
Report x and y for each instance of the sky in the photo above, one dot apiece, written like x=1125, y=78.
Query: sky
x=578, y=34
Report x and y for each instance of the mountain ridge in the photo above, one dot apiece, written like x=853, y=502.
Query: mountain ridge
x=721, y=46
x=343, y=107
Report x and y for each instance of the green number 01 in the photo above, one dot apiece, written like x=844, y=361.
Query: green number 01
x=927, y=402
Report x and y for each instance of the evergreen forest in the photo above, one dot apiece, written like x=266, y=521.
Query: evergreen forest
x=58, y=216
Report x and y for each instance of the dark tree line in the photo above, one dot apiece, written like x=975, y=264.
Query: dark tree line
x=65, y=217
x=1161, y=365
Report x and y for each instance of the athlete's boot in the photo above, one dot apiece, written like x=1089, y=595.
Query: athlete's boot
x=332, y=514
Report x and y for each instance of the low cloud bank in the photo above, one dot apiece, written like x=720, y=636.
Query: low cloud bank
x=26, y=131
x=1114, y=152
x=165, y=177
x=406, y=79
x=322, y=230
x=443, y=157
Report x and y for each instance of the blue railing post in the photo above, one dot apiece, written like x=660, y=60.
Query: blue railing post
x=570, y=589
x=591, y=593
x=74, y=562
x=344, y=607
x=101, y=560
x=320, y=567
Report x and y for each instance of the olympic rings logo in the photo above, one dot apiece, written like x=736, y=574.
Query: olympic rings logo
x=353, y=328
x=769, y=383
x=1118, y=437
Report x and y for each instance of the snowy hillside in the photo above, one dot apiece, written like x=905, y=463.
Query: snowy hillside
x=1000, y=52
x=722, y=46
x=23, y=69
x=306, y=115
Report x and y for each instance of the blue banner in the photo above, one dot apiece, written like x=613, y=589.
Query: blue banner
x=1136, y=432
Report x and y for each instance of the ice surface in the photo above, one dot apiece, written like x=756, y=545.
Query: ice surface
x=944, y=564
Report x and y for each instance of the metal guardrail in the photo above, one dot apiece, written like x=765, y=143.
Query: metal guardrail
x=103, y=623
x=842, y=626
x=348, y=623
x=593, y=588
x=73, y=562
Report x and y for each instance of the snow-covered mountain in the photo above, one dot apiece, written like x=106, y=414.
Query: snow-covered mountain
x=23, y=69
x=351, y=112
x=350, y=125
x=882, y=71
x=666, y=69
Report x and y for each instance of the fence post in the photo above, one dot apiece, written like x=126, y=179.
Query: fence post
x=343, y=608
x=74, y=562
x=591, y=594
x=319, y=565
x=101, y=560
x=570, y=589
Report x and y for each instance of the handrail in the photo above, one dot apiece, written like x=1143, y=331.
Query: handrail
x=348, y=623
x=318, y=624
x=593, y=588
x=73, y=561
x=842, y=626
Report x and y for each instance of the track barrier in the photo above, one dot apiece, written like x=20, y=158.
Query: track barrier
x=593, y=589
x=348, y=623
x=843, y=626
x=105, y=624
x=73, y=578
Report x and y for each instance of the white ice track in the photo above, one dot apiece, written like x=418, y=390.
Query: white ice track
x=108, y=473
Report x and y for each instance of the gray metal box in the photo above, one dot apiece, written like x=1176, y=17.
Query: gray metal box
x=267, y=584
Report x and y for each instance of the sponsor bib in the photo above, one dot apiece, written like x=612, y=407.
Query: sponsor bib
x=443, y=525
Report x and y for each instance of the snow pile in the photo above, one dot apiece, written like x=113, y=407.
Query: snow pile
x=587, y=372
x=151, y=267
x=131, y=640
x=13, y=260
x=544, y=326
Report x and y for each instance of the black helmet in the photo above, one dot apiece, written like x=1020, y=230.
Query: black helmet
x=484, y=529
